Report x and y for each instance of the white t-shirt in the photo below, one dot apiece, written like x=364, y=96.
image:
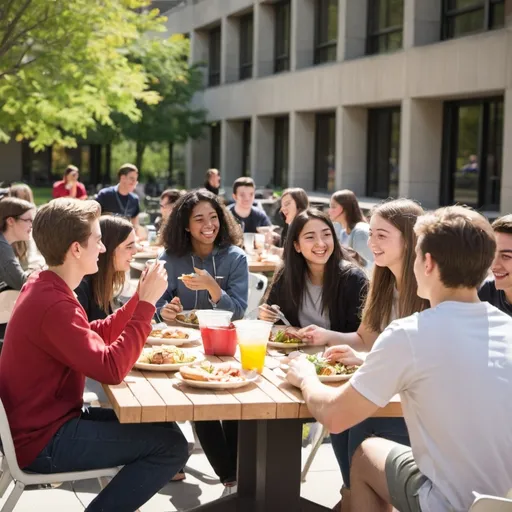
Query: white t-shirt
x=452, y=366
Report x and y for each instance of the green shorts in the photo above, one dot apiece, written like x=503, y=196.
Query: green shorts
x=404, y=479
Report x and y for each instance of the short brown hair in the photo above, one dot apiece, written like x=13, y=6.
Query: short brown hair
x=172, y=195
x=460, y=241
x=61, y=222
x=244, y=181
x=126, y=169
x=503, y=225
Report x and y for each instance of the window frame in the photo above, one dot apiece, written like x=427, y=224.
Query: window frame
x=322, y=46
x=281, y=151
x=214, y=45
x=246, y=57
x=322, y=139
x=450, y=150
x=282, y=60
x=372, y=153
x=215, y=142
x=374, y=34
x=246, y=147
x=449, y=14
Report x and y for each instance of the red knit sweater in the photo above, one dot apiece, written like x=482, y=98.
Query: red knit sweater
x=48, y=350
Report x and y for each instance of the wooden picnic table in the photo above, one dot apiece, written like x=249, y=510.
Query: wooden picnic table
x=263, y=266
x=272, y=413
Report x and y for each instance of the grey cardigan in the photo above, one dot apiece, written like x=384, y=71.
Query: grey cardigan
x=12, y=276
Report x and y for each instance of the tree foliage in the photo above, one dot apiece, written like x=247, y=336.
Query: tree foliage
x=65, y=67
x=175, y=118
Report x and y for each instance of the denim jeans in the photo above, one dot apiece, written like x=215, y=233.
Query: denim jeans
x=151, y=453
x=219, y=441
x=346, y=443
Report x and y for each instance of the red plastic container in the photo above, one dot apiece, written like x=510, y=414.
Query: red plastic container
x=219, y=341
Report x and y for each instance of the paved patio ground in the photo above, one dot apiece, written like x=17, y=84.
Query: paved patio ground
x=201, y=486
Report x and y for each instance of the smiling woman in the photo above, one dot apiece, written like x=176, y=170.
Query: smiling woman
x=96, y=292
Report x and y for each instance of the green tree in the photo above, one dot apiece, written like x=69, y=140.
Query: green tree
x=175, y=118
x=64, y=67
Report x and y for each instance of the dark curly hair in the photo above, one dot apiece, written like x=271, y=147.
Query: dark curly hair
x=177, y=240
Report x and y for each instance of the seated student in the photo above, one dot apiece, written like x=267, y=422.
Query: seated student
x=96, y=292
x=316, y=284
x=16, y=218
x=69, y=186
x=212, y=181
x=352, y=229
x=293, y=201
x=498, y=292
x=50, y=347
x=247, y=215
x=167, y=201
x=392, y=295
x=200, y=238
x=451, y=365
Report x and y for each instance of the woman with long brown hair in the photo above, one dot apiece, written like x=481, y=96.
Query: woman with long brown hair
x=392, y=295
x=317, y=282
x=96, y=293
x=351, y=226
x=293, y=201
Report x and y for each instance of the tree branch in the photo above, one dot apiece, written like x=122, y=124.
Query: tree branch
x=10, y=28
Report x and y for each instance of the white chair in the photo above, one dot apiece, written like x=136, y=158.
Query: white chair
x=257, y=287
x=11, y=470
x=485, y=503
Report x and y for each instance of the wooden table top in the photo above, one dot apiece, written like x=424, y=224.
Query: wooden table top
x=263, y=266
x=146, y=396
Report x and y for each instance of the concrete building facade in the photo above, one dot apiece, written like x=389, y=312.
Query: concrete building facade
x=385, y=97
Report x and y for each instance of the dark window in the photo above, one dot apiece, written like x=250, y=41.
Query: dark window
x=472, y=153
x=282, y=37
x=325, y=152
x=246, y=46
x=326, y=30
x=383, y=152
x=385, y=26
x=461, y=17
x=214, y=57
x=246, y=148
x=281, y=149
x=215, y=145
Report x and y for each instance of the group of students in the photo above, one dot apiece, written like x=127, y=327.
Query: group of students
x=422, y=333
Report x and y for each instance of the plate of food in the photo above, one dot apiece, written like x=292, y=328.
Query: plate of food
x=162, y=334
x=188, y=318
x=285, y=337
x=330, y=372
x=166, y=358
x=208, y=375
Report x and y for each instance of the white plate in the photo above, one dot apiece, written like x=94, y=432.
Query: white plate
x=167, y=367
x=193, y=335
x=322, y=378
x=251, y=377
x=186, y=324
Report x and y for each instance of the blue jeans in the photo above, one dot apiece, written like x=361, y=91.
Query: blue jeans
x=346, y=443
x=151, y=453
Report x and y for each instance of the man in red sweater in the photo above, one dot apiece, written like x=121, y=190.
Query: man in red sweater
x=50, y=348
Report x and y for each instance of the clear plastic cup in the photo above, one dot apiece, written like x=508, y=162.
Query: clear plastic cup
x=219, y=336
x=249, y=243
x=253, y=337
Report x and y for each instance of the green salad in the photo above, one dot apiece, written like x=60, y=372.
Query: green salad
x=324, y=367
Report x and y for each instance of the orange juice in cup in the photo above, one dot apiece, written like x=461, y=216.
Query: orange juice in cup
x=252, y=338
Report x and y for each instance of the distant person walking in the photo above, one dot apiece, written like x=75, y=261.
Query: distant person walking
x=121, y=199
x=69, y=186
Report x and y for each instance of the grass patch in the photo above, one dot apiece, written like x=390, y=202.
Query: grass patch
x=42, y=195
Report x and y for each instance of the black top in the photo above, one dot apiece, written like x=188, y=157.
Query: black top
x=85, y=297
x=344, y=312
x=213, y=190
x=256, y=219
x=111, y=201
x=495, y=297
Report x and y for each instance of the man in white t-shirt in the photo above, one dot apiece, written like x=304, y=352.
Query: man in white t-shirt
x=451, y=365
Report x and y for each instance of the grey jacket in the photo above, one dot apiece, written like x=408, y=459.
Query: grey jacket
x=230, y=263
x=12, y=276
